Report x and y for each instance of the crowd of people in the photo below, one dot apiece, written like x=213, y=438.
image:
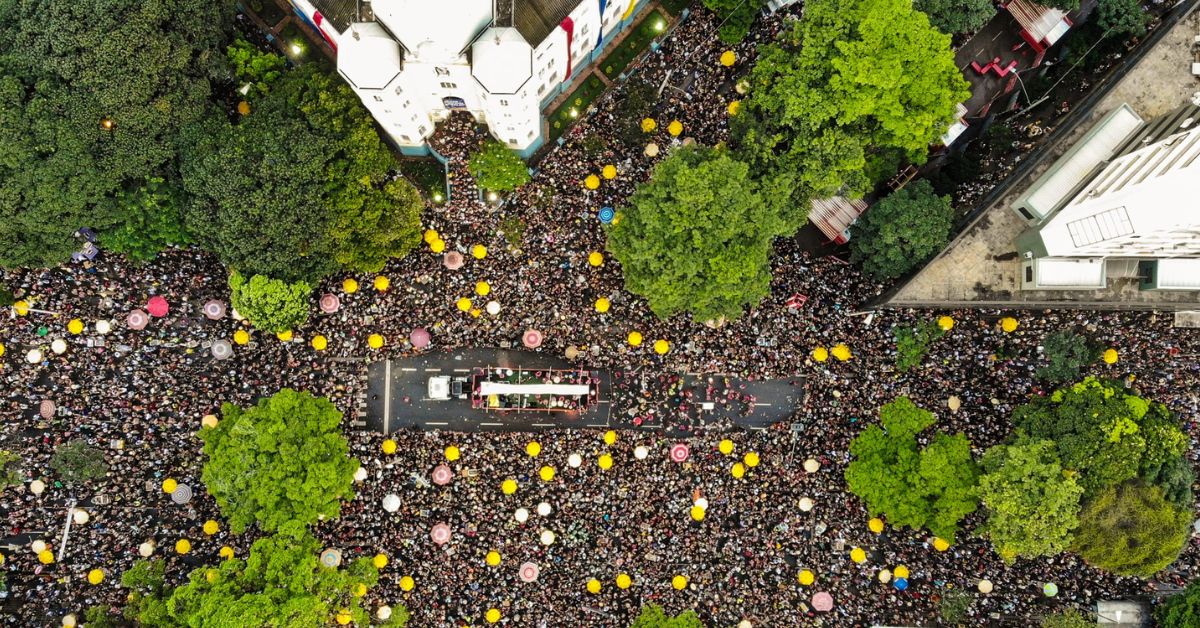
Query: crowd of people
x=140, y=397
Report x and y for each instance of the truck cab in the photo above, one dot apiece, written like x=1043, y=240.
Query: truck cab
x=443, y=387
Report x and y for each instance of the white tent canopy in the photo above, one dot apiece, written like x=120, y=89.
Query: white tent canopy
x=503, y=388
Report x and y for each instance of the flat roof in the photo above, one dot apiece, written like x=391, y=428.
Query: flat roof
x=1062, y=273
x=1179, y=273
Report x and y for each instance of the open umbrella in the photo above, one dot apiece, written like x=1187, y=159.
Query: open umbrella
x=222, y=350
x=640, y=452
x=528, y=572
x=329, y=303
x=442, y=475
x=544, y=509
x=651, y=150
x=493, y=307
x=58, y=346
x=157, y=306
x=532, y=339
x=391, y=502
x=452, y=260
x=811, y=465
x=331, y=558
x=822, y=601
x=47, y=408
x=182, y=494
x=806, y=504
x=137, y=319
x=214, y=310
x=440, y=534
x=34, y=356
x=103, y=327
x=954, y=403
x=521, y=515
x=679, y=452
x=984, y=586
x=419, y=337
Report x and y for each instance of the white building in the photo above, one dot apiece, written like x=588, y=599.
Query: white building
x=412, y=62
x=1124, y=199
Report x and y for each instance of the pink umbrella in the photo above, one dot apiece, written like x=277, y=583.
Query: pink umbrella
x=329, y=303
x=47, y=409
x=214, y=310
x=419, y=338
x=529, y=572
x=440, y=533
x=823, y=602
x=532, y=339
x=680, y=452
x=137, y=319
x=453, y=260
x=442, y=475
x=157, y=306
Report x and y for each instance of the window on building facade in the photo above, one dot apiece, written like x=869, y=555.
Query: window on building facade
x=449, y=85
x=421, y=129
x=378, y=98
x=503, y=103
x=441, y=71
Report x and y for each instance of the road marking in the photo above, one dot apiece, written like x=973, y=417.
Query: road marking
x=596, y=425
x=462, y=370
x=408, y=370
x=387, y=396
x=603, y=401
x=761, y=404
x=538, y=424
x=753, y=427
x=433, y=370
x=492, y=424
x=435, y=423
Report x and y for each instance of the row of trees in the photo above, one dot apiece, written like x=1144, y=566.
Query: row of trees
x=1091, y=469
x=833, y=106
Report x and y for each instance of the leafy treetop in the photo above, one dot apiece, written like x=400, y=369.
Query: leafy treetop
x=1033, y=506
x=498, y=168
x=901, y=231
x=653, y=616
x=1131, y=530
x=269, y=304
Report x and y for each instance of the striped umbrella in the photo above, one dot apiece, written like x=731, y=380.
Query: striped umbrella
x=214, y=310
x=137, y=320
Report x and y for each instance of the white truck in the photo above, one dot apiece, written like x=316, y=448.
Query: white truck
x=443, y=387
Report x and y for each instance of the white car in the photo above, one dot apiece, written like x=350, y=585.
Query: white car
x=443, y=387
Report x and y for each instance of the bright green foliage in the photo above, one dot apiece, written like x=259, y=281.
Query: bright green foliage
x=901, y=231
x=283, y=460
x=1033, y=505
x=1067, y=619
x=281, y=585
x=66, y=66
x=1123, y=17
x=498, y=168
x=912, y=343
x=697, y=237
x=300, y=186
x=847, y=91
x=253, y=66
x=152, y=222
x=1181, y=610
x=10, y=469
x=957, y=16
x=1102, y=433
x=99, y=616
x=1067, y=353
x=736, y=17
x=269, y=304
x=653, y=616
x=1129, y=529
x=930, y=488
x=77, y=462
x=1065, y=5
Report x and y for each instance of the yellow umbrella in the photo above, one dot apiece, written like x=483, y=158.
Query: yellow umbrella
x=593, y=586
x=463, y=304
x=493, y=615
x=343, y=617
x=349, y=286
x=483, y=288
x=319, y=342
x=45, y=557
x=605, y=462
x=389, y=446
x=900, y=571
x=806, y=577
x=820, y=354
x=609, y=171
x=610, y=437
x=226, y=552
x=452, y=453
x=591, y=182
x=21, y=308
x=476, y=312
x=407, y=583
x=596, y=258
x=284, y=336
x=623, y=581
x=360, y=589
x=493, y=558
x=380, y=561
x=940, y=544
x=1110, y=356
x=241, y=337
x=675, y=128
x=679, y=582
x=751, y=459
x=697, y=513
x=533, y=448
x=648, y=125
x=841, y=352
x=1009, y=324
x=183, y=546
x=479, y=251
x=375, y=341
x=437, y=246
x=169, y=485
x=738, y=470
x=734, y=107
x=661, y=346
x=508, y=487
x=602, y=304
x=546, y=473
x=875, y=525
x=858, y=555
x=211, y=527
x=382, y=283
x=95, y=576
x=634, y=339
x=75, y=326
x=1, y=349
x=430, y=236
x=728, y=58
x=945, y=322
x=725, y=446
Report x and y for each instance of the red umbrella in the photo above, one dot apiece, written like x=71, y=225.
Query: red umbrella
x=529, y=572
x=453, y=260
x=157, y=306
x=330, y=303
x=442, y=475
x=214, y=310
x=532, y=339
x=440, y=533
x=680, y=452
x=823, y=602
x=137, y=319
x=419, y=338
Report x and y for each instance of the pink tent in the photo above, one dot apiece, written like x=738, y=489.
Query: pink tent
x=329, y=303
x=532, y=339
x=442, y=475
x=137, y=319
x=440, y=534
x=157, y=306
x=453, y=260
x=419, y=338
x=823, y=602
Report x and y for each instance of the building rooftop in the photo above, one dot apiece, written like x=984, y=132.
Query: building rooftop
x=368, y=57
x=501, y=60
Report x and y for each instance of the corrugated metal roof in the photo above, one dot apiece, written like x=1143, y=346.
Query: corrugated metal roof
x=536, y=19
x=1039, y=21
x=340, y=13
x=1059, y=273
x=834, y=215
x=1161, y=128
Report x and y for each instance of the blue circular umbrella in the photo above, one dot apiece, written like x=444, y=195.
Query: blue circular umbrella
x=901, y=584
x=607, y=214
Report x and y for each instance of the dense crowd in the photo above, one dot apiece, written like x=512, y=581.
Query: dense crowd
x=140, y=396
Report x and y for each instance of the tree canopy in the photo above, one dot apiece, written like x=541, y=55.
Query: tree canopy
x=1033, y=506
x=498, y=168
x=736, y=16
x=269, y=304
x=901, y=231
x=845, y=94
x=1066, y=353
x=281, y=583
x=77, y=462
x=10, y=469
x=957, y=16
x=1130, y=529
x=912, y=343
x=282, y=460
x=95, y=94
x=697, y=237
x=1181, y=610
x=933, y=487
x=1125, y=17
x=653, y=616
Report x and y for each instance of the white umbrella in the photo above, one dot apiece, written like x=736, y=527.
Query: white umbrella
x=528, y=572
x=214, y=310
x=640, y=452
x=985, y=586
x=521, y=515
x=547, y=537
x=702, y=503
x=36, y=487
x=69, y=621
x=745, y=623
x=34, y=356
x=384, y=612
x=493, y=307
x=391, y=502
x=222, y=350
x=544, y=510
x=954, y=403
x=38, y=546
x=360, y=474
x=145, y=550
x=651, y=149
x=806, y=504
x=103, y=327
x=811, y=465
x=59, y=346
x=574, y=460
x=80, y=516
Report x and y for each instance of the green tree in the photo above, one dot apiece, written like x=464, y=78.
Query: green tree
x=697, y=237
x=253, y=66
x=934, y=487
x=1033, y=506
x=1102, y=433
x=281, y=583
x=653, y=616
x=283, y=460
x=901, y=231
x=153, y=221
x=736, y=17
x=269, y=304
x=1181, y=610
x=1067, y=353
x=94, y=95
x=99, y=616
x=634, y=105
x=957, y=16
x=10, y=469
x=1175, y=477
x=1125, y=17
x=954, y=606
x=498, y=168
x=843, y=95
x=1131, y=530
x=1069, y=618
x=912, y=343
x=301, y=186
x=77, y=462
